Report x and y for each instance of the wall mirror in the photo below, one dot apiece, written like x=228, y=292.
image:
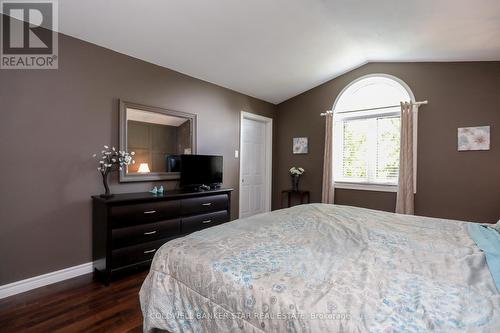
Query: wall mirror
x=158, y=137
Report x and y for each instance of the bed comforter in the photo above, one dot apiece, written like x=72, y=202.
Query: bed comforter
x=323, y=268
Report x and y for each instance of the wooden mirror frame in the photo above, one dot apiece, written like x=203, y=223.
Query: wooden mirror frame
x=152, y=176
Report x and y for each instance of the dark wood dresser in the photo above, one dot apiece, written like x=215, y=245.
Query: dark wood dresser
x=128, y=229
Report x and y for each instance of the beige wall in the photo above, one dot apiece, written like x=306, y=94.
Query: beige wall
x=51, y=121
x=450, y=184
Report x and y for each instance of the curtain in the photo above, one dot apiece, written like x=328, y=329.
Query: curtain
x=404, y=199
x=328, y=188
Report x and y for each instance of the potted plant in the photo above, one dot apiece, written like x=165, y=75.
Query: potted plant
x=112, y=160
x=295, y=173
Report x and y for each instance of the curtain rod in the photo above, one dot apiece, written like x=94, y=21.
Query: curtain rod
x=377, y=108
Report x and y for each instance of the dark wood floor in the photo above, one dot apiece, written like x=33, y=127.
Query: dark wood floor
x=76, y=305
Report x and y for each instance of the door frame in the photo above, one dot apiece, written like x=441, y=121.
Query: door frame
x=269, y=157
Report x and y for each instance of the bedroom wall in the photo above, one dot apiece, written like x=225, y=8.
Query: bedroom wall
x=450, y=184
x=51, y=121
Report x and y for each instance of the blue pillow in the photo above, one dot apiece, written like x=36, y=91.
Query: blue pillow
x=488, y=240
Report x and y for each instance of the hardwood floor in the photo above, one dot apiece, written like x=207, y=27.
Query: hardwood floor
x=76, y=305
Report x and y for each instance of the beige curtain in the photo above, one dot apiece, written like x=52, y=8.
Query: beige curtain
x=328, y=188
x=404, y=200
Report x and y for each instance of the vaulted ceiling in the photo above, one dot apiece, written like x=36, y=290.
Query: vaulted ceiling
x=276, y=49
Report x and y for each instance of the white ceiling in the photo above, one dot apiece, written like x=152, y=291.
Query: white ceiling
x=276, y=49
x=154, y=118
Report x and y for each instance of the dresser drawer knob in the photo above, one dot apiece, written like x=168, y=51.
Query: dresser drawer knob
x=150, y=212
x=150, y=232
x=207, y=204
x=206, y=221
x=149, y=251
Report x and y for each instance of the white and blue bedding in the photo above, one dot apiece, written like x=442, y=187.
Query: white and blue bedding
x=324, y=268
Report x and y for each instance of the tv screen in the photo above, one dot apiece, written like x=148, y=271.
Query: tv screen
x=200, y=170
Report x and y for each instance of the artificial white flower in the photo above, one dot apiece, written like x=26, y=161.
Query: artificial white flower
x=111, y=157
x=296, y=171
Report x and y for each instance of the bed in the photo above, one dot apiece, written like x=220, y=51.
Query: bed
x=323, y=268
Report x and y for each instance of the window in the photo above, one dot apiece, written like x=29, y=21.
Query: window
x=367, y=133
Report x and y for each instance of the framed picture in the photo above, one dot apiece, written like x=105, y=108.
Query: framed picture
x=474, y=138
x=300, y=146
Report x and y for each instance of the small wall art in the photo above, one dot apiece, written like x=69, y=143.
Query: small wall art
x=474, y=138
x=300, y=146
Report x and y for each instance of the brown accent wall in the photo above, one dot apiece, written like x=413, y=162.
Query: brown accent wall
x=450, y=184
x=51, y=121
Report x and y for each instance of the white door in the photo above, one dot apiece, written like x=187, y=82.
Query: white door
x=254, y=166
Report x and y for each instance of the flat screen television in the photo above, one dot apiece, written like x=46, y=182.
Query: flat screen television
x=199, y=170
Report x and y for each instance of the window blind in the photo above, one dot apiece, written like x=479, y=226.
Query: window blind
x=370, y=149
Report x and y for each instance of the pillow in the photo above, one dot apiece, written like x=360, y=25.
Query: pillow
x=487, y=239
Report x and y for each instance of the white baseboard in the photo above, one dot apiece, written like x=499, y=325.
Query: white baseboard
x=43, y=280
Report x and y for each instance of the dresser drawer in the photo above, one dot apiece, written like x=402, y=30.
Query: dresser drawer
x=129, y=228
x=126, y=215
x=209, y=203
x=131, y=255
x=198, y=222
x=122, y=237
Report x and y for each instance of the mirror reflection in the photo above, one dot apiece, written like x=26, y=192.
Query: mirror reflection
x=157, y=140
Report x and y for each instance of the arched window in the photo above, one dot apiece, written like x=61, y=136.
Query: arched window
x=367, y=132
